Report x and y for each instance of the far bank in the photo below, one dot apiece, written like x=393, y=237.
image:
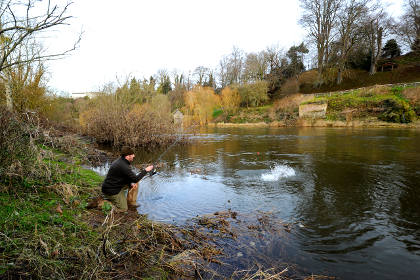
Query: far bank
x=378, y=106
x=322, y=123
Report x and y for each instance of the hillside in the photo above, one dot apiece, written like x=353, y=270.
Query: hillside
x=402, y=69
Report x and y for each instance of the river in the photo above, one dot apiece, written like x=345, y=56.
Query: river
x=352, y=196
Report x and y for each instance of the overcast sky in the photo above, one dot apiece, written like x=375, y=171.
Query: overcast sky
x=137, y=37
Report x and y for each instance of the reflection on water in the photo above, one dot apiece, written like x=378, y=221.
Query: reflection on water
x=355, y=193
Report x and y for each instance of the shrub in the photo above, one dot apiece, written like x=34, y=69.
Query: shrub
x=112, y=120
x=397, y=110
x=230, y=100
x=290, y=86
x=201, y=103
x=413, y=96
x=254, y=94
x=19, y=157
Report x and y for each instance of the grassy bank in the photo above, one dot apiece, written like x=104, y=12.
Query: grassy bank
x=377, y=106
x=47, y=232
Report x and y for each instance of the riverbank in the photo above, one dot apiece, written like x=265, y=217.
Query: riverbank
x=323, y=123
x=48, y=232
x=395, y=106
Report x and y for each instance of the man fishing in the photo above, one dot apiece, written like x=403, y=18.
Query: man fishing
x=121, y=177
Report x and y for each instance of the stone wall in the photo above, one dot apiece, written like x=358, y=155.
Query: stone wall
x=312, y=110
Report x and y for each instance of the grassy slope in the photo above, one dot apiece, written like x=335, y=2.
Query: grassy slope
x=37, y=238
x=408, y=71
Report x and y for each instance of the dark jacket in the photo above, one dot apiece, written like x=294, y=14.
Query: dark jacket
x=120, y=175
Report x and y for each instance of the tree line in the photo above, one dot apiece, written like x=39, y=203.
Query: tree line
x=342, y=34
x=346, y=32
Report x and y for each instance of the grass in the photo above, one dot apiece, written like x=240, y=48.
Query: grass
x=47, y=232
x=42, y=229
x=386, y=103
x=408, y=70
x=252, y=115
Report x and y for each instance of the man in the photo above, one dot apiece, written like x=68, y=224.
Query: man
x=121, y=177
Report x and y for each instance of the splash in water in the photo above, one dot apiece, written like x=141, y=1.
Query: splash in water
x=279, y=171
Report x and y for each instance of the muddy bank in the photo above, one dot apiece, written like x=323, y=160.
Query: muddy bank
x=222, y=245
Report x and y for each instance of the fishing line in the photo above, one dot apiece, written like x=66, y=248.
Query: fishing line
x=154, y=171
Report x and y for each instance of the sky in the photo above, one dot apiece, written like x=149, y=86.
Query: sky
x=137, y=38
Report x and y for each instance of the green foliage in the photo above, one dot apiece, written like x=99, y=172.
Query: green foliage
x=41, y=220
x=164, y=84
x=391, y=49
x=217, y=112
x=253, y=115
x=106, y=207
x=397, y=110
x=388, y=104
x=254, y=94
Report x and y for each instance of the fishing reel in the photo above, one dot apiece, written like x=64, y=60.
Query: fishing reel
x=152, y=172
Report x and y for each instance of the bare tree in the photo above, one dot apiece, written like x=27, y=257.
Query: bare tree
x=376, y=27
x=21, y=23
x=408, y=28
x=276, y=63
x=223, y=72
x=200, y=74
x=349, y=30
x=255, y=67
x=230, y=68
x=320, y=19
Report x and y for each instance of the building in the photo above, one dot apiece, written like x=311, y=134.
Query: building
x=83, y=94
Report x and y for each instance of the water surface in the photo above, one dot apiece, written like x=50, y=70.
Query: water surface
x=352, y=194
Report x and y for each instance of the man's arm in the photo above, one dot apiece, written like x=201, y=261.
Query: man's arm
x=135, y=178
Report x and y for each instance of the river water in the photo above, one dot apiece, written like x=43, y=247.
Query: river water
x=352, y=195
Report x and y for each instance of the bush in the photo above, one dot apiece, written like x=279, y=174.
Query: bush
x=230, y=100
x=397, y=110
x=111, y=120
x=254, y=94
x=18, y=153
x=413, y=96
x=201, y=103
x=288, y=106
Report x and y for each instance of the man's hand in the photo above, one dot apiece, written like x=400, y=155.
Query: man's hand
x=149, y=168
x=133, y=186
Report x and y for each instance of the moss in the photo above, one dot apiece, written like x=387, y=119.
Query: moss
x=387, y=104
x=397, y=110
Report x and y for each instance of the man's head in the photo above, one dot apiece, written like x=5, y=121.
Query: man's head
x=127, y=153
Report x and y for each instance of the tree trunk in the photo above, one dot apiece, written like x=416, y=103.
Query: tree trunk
x=372, y=70
x=376, y=51
x=9, y=103
x=339, y=76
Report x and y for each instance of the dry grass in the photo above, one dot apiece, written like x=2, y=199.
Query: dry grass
x=66, y=191
x=290, y=86
x=291, y=102
x=111, y=120
x=376, y=90
x=412, y=94
x=287, y=108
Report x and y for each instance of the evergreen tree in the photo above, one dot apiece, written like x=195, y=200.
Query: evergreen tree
x=391, y=49
x=165, y=85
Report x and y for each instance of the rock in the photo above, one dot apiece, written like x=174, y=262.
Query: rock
x=313, y=110
x=58, y=209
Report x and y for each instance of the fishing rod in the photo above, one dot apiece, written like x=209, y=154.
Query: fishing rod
x=154, y=171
